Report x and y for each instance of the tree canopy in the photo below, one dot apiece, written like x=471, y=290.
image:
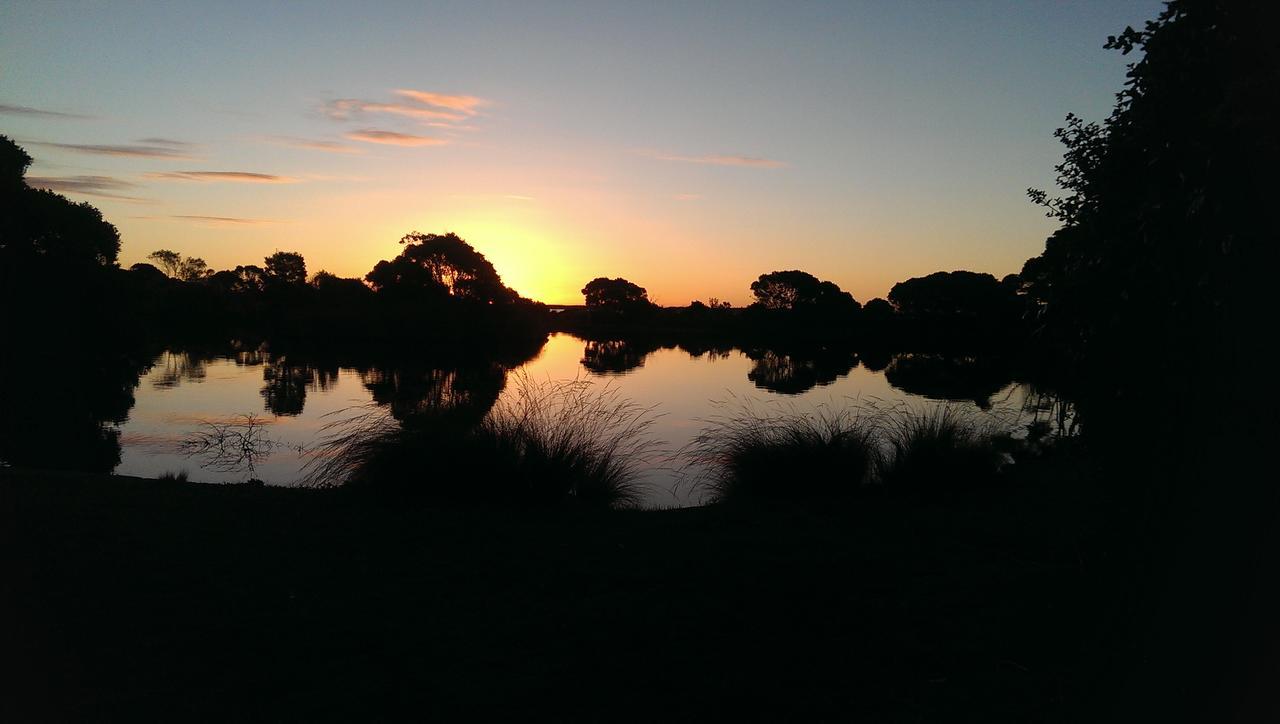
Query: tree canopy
x=797, y=290
x=285, y=267
x=440, y=265
x=40, y=225
x=1166, y=228
x=957, y=293
x=176, y=266
x=617, y=294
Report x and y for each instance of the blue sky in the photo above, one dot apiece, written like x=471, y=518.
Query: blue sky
x=687, y=146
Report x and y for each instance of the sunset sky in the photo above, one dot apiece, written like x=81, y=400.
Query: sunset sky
x=689, y=147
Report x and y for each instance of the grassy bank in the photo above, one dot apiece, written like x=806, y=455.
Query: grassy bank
x=159, y=598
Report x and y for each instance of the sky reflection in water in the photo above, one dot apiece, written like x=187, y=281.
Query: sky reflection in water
x=296, y=401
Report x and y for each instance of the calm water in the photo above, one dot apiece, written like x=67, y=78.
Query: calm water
x=294, y=401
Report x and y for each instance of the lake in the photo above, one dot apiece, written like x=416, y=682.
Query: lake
x=294, y=400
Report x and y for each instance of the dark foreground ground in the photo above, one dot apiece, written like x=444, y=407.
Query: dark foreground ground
x=127, y=599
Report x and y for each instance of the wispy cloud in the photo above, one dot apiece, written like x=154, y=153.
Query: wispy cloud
x=223, y=220
x=433, y=109
x=687, y=197
x=344, y=109
x=12, y=110
x=171, y=143
x=312, y=145
x=244, y=177
x=105, y=187
x=210, y=220
x=391, y=138
x=468, y=105
x=718, y=159
x=139, y=150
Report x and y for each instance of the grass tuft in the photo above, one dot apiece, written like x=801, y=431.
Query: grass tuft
x=541, y=443
x=940, y=449
x=751, y=454
x=835, y=453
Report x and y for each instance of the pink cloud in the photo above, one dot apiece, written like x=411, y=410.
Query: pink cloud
x=721, y=160
x=247, y=177
x=392, y=138
x=463, y=104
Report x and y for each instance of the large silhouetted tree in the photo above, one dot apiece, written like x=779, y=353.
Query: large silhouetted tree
x=440, y=265
x=799, y=291
x=617, y=294
x=1158, y=293
x=38, y=225
x=956, y=294
x=1166, y=228
x=285, y=267
x=176, y=266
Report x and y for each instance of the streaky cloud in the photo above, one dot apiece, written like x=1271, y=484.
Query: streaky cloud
x=313, y=145
x=142, y=150
x=166, y=142
x=209, y=220
x=222, y=220
x=344, y=109
x=463, y=104
x=720, y=160
x=245, y=177
x=106, y=187
x=14, y=110
x=392, y=138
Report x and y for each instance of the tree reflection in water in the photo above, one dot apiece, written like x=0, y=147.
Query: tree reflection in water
x=949, y=377
x=61, y=406
x=616, y=356
x=791, y=373
x=284, y=391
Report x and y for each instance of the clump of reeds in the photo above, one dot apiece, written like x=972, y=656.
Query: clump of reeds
x=940, y=448
x=573, y=439
x=784, y=455
x=836, y=453
x=542, y=443
x=354, y=445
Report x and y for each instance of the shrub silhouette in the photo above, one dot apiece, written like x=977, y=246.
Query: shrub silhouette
x=544, y=444
x=940, y=449
x=752, y=455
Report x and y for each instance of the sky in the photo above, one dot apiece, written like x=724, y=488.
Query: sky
x=687, y=146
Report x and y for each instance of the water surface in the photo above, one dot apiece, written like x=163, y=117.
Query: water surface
x=294, y=399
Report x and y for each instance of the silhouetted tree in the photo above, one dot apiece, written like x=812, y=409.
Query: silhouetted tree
x=40, y=226
x=1154, y=298
x=796, y=291
x=285, y=268
x=877, y=310
x=167, y=261
x=615, y=294
x=148, y=274
x=176, y=266
x=249, y=278
x=440, y=265
x=955, y=294
x=1166, y=230
x=13, y=166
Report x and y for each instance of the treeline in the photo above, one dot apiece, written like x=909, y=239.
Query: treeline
x=60, y=278
x=61, y=275
x=944, y=310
